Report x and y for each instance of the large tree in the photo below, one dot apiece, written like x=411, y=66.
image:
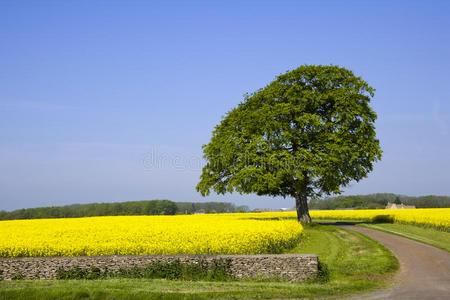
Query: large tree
x=309, y=132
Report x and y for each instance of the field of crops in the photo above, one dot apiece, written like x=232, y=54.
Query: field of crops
x=243, y=233
x=195, y=234
x=433, y=217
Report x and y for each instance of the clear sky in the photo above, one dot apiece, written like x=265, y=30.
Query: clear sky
x=112, y=100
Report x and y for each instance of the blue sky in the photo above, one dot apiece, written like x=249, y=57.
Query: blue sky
x=112, y=100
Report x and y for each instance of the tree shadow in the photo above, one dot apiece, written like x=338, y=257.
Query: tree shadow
x=336, y=223
x=379, y=219
x=269, y=218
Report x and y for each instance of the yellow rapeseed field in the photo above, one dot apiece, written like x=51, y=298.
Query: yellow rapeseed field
x=243, y=233
x=433, y=217
x=133, y=235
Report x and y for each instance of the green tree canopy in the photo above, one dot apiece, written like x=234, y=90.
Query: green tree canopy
x=309, y=132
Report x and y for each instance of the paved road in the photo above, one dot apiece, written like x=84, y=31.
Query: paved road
x=424, y=270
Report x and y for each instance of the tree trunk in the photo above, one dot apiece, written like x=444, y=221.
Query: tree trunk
x=301, y=204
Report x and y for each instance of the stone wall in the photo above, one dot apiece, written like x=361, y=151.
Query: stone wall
x=292, y=267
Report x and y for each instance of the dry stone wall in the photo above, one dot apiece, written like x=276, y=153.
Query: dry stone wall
x=291, y=267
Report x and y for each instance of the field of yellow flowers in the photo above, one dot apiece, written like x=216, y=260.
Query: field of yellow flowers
x=239, y=233
x=248, y=233
x=432, y=217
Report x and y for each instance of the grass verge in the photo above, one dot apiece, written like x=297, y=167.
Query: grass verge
x=355, y=263
x=350, y=257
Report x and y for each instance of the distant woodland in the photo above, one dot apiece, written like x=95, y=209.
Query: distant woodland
x=147, y=207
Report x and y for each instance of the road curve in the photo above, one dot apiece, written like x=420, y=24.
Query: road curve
x=424, y=270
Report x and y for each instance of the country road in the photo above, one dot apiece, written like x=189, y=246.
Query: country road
x=424, y=270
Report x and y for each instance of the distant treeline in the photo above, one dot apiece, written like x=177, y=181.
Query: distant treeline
x=148, y=207
x=379, y=201
x=208, y=207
